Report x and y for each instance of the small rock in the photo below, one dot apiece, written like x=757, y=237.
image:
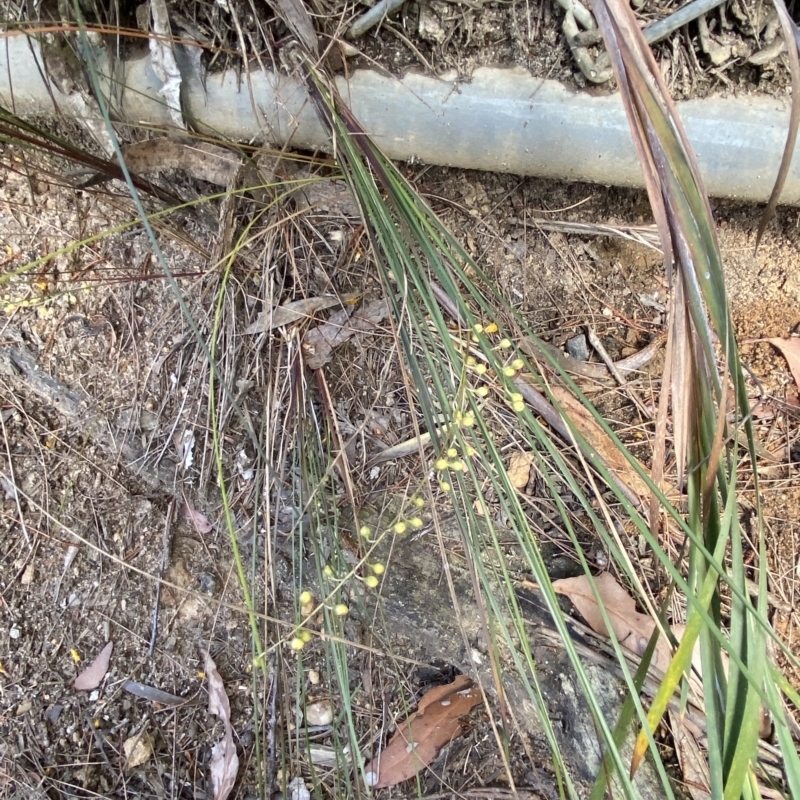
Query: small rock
x=430, y=29
x=297, y=790
x=578, y=348
x=138, y=750
x=319, y=713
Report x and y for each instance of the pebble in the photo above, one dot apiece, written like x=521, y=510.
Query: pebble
x=578, y=348
x=319, y=713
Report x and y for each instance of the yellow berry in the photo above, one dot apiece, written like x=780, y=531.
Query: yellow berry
x=482, y=391
x=518, y=406
x=515, y=396
x=470, y=450
x=518, y=363
x=504, y=344
x=477, y=327
x=297, y=643
x=304, y=635
x=444, y=486
x=491, y=328
x=419, y=502
x=365, y=531
x=378, y=568
x=371, y=581
x=457, y=466
x=327, y=571
x=468, y=420
x=471, y=361
x=481, y=369
x=452, y=452
x=340, y=609
x=509, y=372
x=399, y=527
x=416, y=522
x=305, y=598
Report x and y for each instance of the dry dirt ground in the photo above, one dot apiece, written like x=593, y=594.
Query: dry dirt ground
x=109, y=475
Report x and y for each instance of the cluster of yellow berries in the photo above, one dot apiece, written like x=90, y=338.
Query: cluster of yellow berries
x=510, y=370
x=308, y=602
x=452, y=461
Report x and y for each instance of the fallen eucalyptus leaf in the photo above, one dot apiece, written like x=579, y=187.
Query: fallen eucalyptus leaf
x=632, y=629
x=420, y=738
x=590, y=429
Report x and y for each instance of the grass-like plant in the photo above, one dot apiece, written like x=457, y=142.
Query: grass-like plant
x=470, y=386
x=436, y=288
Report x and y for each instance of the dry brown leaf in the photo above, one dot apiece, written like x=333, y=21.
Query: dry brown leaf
x=294, y=311
x=93, y=675
x=418, y=740
x=632, y=629
x=519, y=469
x=600, y=441
x=791, y=352
x=320, y=342
x=224, y=764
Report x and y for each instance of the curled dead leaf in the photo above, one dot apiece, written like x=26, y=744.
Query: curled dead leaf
x=224, y=763
x=319, y=343
x=138, y=750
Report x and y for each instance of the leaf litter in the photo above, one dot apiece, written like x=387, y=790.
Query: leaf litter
x=294, y=311
x=320, y=342
x=631, y=628
x=419, y=739
x=791, y=352
x=224, y=764
x=93, y=675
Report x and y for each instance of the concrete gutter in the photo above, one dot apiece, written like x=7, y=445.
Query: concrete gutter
x=503, y=120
